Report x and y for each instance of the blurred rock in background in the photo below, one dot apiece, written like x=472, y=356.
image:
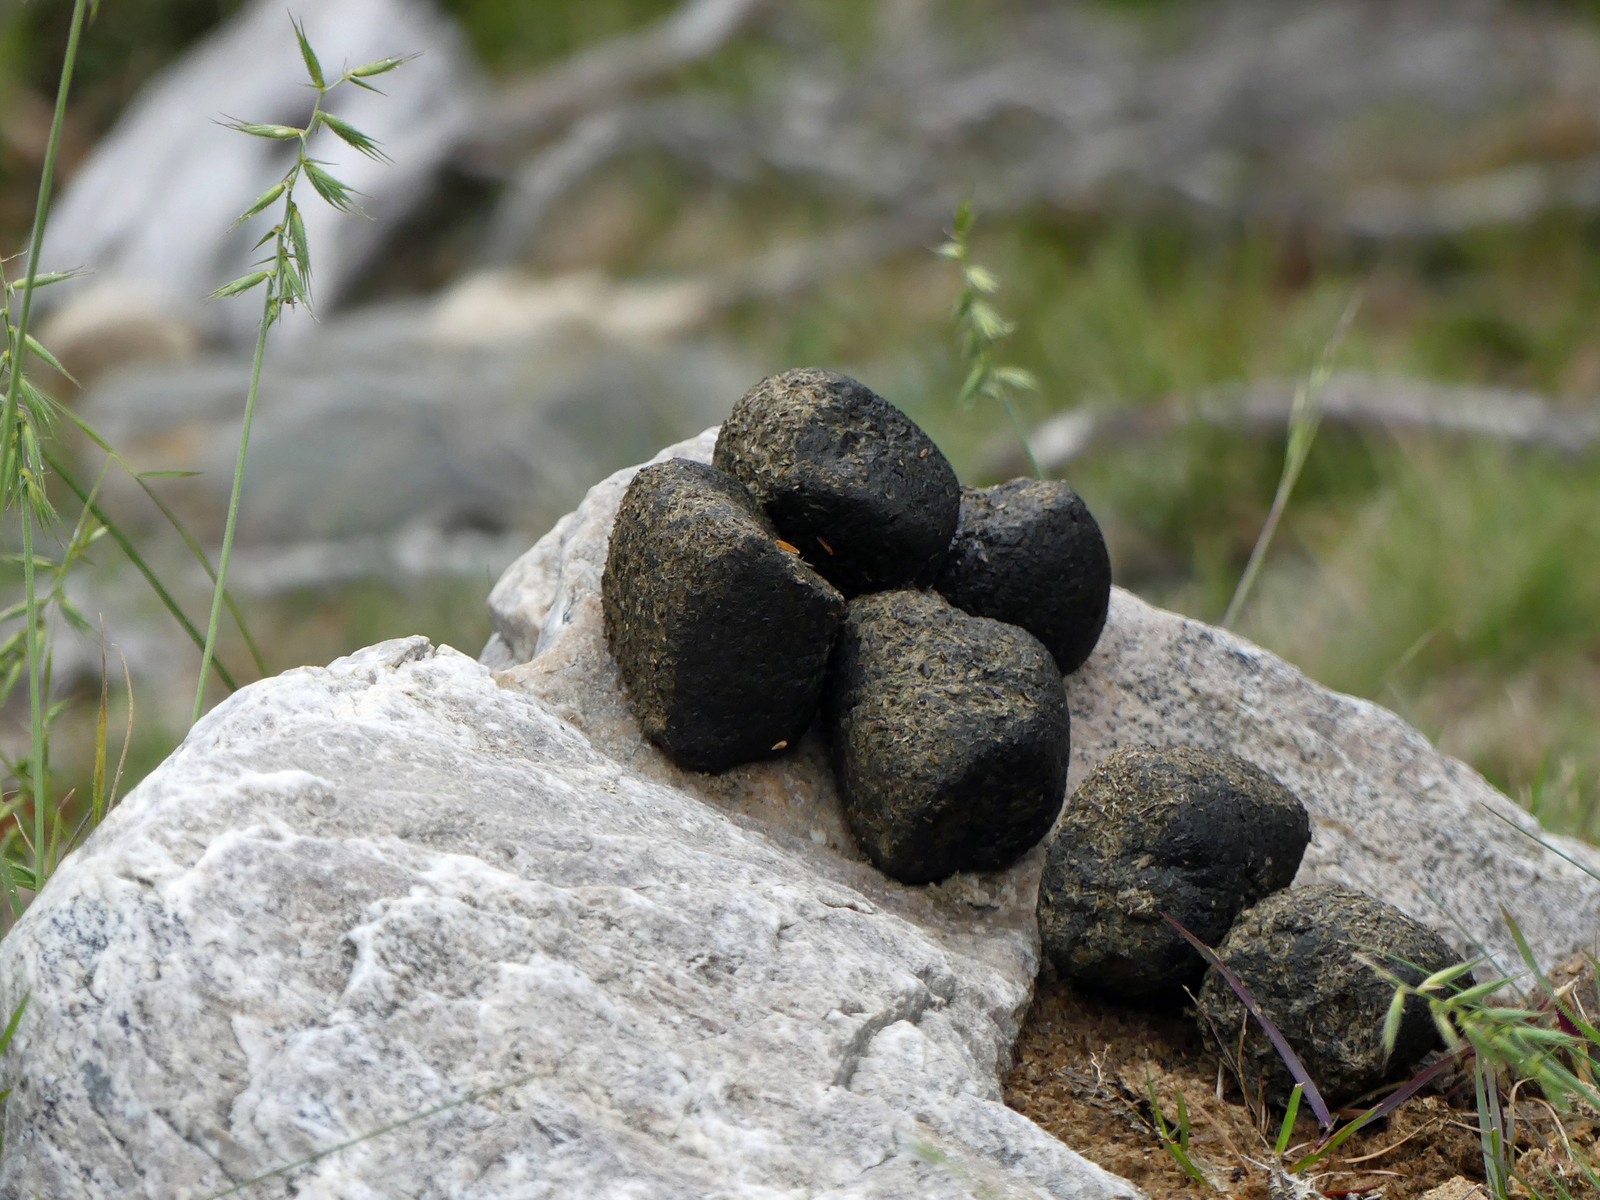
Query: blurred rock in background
x=606, y=218
x=151, y=211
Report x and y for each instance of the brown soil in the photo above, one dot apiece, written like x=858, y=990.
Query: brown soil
x=1085, y=1070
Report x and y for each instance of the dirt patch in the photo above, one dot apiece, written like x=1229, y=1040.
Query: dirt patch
x=1085, y=1071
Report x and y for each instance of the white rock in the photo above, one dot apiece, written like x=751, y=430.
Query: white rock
x=361, y=892
x=1391, y=815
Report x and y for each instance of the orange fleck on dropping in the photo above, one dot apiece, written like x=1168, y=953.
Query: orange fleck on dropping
x=786, y=546
x=825, y=545
x=924, y=453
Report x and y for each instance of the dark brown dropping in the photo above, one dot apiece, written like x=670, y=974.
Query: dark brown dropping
x=1030, y=553
x=846, y=476
x=950, y=736
x=721, y=635
x=1198, y=834
x=1296, y=952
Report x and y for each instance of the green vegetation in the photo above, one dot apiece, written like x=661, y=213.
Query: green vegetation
x=980, y=329
x=509, y=37
x=284, y=276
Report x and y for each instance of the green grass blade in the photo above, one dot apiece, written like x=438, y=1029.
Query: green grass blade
x=172, y=519
x=11, y=1025
x=378, y=67
x=144, y=568
x=1391, y=1021
x=10, y=883
x=127, y=734
x=1176, y=1146
x=45, y=279
x=242, y=284
x=220, y=589
x=330, y=189
x=1383, y=1108
x=1304, y=420
x=38, y=764
x=266, y=198
x=354, y=138
x=50, y=359
x=313, y=67
x=41, y=213
x=297, y=241
x=1286, y=1130
x=276, y=133
x=1589, y=871
x=97, y=793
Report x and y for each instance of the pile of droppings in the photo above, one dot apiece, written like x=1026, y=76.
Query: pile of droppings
x=1193, y=834
x=1159, y=841
x=828, y=562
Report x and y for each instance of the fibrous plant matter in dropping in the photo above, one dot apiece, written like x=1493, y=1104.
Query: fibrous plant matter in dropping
x=1197, y=834
x=1299, y=952
x=721, y=633
x=950, y=736
x=846, y=476
x=1030, y=553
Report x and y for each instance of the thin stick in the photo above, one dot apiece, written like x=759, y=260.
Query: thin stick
x=1380, y=1153
x=469, y=1098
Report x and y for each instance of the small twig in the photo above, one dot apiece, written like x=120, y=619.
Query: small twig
x=1421, y=1129
x=599, y=76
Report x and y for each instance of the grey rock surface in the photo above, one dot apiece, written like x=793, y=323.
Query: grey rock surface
x=1390, y=815
x=362, y=892
x=380, y=419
